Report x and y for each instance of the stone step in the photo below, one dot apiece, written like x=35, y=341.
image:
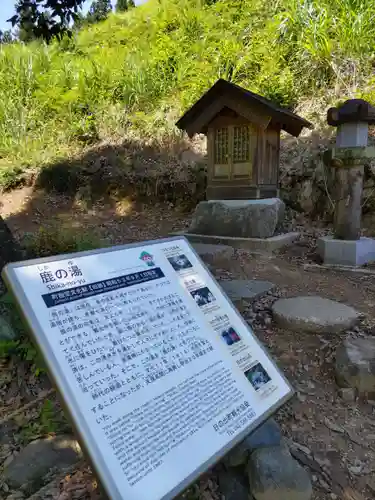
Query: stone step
x=314, y=314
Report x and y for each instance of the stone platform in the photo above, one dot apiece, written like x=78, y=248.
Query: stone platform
x=213, y=254
x=255, y=245
x=240, y=218
x=345, y=252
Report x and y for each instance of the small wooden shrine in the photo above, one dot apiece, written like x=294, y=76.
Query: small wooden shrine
x=243, y=140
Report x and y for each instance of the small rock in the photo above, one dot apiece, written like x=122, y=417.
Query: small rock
x=301, y=397
x=347, y=394
x=324, y=485
x=359, y=468
x=17, y=495
x=313, y=314
x=38, y=457
x=300, y=447
x=266, y=435
x=236, y=457
x=333, y=496
x=275, y=475
x=355, y=365
x=356, y=470
x=233, y=485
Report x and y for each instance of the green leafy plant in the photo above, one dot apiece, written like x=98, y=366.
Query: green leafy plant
x=7, y=348
x=56, y=240
x=51, y=420
x=24, y=350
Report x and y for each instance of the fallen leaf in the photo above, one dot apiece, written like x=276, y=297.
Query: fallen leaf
x=333, y=427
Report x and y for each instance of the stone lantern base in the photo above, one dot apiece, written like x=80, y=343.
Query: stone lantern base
x=346, y=252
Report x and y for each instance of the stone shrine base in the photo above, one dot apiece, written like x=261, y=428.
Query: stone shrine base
x=345, y=252
x=263, y=245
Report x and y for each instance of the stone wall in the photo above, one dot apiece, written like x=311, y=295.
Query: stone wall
x=306, y=182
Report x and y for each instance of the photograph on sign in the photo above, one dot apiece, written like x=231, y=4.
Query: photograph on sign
x=159, y=372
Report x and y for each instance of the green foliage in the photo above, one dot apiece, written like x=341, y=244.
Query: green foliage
x=56, y=240
x=22, y=348
x=135, y=73
x=124, y=5
x=7, y=348
x=50, y=420
x=6, y=36
x=11, y=313
x=44, y=19
x=99, y=11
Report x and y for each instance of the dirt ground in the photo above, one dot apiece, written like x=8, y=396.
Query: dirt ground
x=333, y=438
x=339, y=434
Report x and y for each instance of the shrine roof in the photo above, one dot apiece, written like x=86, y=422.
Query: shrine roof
x=226, y=94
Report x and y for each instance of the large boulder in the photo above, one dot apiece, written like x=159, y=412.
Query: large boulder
x=238, y=218
x=313, y=314
x=355, y=365
x=275, y=475
x=39, y=457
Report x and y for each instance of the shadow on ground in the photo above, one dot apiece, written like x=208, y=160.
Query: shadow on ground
x=120, y=193
x=122, y=188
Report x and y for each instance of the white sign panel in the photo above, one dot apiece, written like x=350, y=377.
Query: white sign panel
x=159, y=372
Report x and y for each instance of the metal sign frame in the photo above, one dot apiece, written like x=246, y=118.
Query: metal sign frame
x=75, y=413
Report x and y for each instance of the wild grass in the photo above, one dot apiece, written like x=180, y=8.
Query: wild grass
x=134, y=74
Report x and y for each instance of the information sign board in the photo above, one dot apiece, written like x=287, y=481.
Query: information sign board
x=159, y=372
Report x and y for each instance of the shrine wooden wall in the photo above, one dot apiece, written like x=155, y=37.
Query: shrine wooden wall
x=263, y=167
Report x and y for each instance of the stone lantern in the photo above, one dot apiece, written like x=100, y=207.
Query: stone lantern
x=348, y=157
